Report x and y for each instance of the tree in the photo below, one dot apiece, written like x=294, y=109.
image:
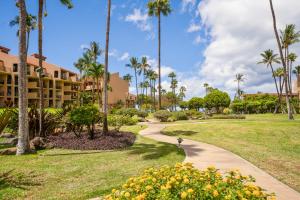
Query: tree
x=96, y=71
x=135, y=65
x=268, y=59
x=156, y=8
x=153, y=77
x=205, y=85
x=173, y=86
x=105, y=102
x=127, y=78
x=69, y=4
x=283, y=61
x=31, y=25
x=216, y=99
x=292, y=58
x=239, y=78
x=196, y=103
x=23, y=132
x=182, y=91
x=183, y=105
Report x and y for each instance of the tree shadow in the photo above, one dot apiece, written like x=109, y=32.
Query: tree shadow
x=179, y=132
x=10, y=179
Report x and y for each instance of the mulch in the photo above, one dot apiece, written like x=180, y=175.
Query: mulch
x=116, y=140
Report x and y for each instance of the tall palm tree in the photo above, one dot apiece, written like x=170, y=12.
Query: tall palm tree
x=41, y=13
x=268, y=58
x=283, y=62
x=292, y=58
x=153, y=77
x=23, y=132
x=128, y=78
x=96, y=71
x=239, y=78
x=205, y=85
x=105, y=102
x=135, y=65
x=31, y=25
x=172, y=75
x=182, y=91
x=156, y=8
x=87, y=62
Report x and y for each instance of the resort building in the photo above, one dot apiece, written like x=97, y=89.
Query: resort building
x=61, y=86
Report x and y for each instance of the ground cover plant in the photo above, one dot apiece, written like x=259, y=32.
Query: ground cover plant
x=269, y=141
x=183, y=181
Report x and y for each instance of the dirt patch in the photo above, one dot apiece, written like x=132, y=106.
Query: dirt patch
x=116, y=140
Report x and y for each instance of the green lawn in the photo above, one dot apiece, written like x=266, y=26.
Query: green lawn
x=68, y=174
x=269, y=141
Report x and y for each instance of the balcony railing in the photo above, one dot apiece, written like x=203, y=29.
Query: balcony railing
x=67, y=88
x=32, y=95
x=32, y=85
x=67, y=97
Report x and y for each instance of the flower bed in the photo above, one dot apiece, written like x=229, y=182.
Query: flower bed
x=183, y=181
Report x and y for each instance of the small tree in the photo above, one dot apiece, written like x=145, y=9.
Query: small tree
x=84, y=116
x=196, y=103
x=216, y=99
x=183, y=105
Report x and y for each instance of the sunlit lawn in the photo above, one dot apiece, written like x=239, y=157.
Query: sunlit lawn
x=269, y=141
x=67, y=174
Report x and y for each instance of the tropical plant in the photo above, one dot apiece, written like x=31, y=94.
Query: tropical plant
x=183, y=181
x=135, y=65
x=162, y=115
x=105, y=102
x=205, y=85
x=156, y=8
x=239, y=78
x=117, y=121
x=179, y=115
x=173, y=86
x=5, y=116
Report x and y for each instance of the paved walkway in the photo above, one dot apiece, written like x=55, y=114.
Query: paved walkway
x=203, y=155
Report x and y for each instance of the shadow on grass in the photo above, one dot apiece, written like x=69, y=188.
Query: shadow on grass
x=9, y=179
x=179, y=132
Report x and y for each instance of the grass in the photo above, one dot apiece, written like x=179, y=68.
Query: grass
x=69, y=174
x=269, y=141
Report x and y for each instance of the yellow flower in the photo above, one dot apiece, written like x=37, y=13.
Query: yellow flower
x=186, y=181
x=190, y=190
x=127, y=194
x=227, y=197
x=183, y=195
x=149, y=187
x=215, y=193
x=256, y=193
x=208, y=187
x=113, y=190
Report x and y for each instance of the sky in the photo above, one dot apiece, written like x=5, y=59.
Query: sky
x=203, y=41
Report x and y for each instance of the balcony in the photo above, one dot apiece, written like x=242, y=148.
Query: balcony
x=2, y=94
x=67, y=97
x=64, y=77
x=58, y=96
x=2, y=82
x=32, y=85
x=67, y=88
x=32, y=95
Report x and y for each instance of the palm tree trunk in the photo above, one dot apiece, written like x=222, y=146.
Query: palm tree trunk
x=277, y=90
x=136, y=86
x=40, y=46
x=23, y=133
x=27, y=45
x=290, y=115
x=159, y=73
x=154, y=105
x=105, y=99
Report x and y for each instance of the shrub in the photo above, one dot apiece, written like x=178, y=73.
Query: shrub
x=183, y=181
x=180, y=115
x=162, y=115
x=127, y=111
x=227, y=111
x=196, y=103
x=117, y=121
x=193, y=114
x=227, y=117
x=84, y=116
x=183, y=105
x=216, y=99
x=143, y=114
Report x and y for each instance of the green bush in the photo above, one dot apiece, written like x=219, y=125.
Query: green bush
x=216, y=99
x=193, y=114
x=84, y=116
x=179, y=115
x=143, y=114
x=127, y=111
x=196, y=103
x=183, y=181
x=227, y=111
x=117, y=121
x=162, y=115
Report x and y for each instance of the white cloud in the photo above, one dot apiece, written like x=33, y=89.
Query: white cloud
x=198, y=40
x=239, y=31
x=141, y=20
x=124, y=57
x=187, y=5
x=193, y=28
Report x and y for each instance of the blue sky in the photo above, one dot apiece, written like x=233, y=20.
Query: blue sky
x=202, y=41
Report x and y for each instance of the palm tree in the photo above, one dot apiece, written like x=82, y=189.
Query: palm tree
x=239, y=78
x=134, y=64
x=96, y=71
x=87, y=62
x=23, y=132
x=31, y=25
x=41, y=13
x=182, y=91
x=127, y=78
x=156, y=8
x=292, y=58
x=153, y=77
x=269, y=58
x=172, y=75
x=105, y=102
x=205, y=85
x=80, y=65
x=283, y=61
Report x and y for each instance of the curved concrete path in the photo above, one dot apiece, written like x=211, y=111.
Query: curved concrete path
x=203, y=155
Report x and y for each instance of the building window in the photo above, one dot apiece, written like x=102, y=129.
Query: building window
x=28, y=69
x=15, y=67
x=55, y=74
x=9, y=79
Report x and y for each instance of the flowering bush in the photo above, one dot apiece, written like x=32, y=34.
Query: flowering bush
x=183, y=181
